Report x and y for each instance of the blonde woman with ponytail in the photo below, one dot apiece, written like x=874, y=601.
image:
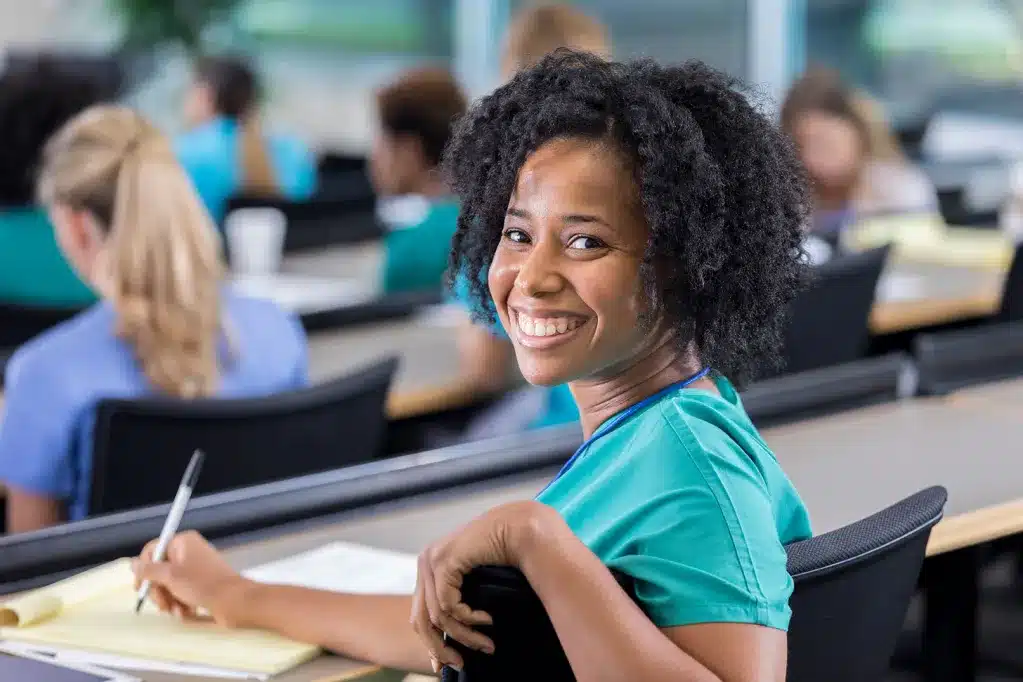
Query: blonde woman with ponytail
x=226, y=151
x=133, y=228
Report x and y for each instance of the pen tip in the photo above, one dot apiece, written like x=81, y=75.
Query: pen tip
x=138, y=605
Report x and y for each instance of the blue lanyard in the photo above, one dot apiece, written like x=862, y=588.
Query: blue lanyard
x=616, y=421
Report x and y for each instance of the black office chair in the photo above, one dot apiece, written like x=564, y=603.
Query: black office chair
x=951, y=360
x=141, y=447
x=817, y=392
x=320, y=222
x=852, y=589
x=1012, y=294
x=829, y=321
x=20, y=323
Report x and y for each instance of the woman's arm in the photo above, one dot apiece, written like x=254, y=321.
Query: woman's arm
x=606, y=636
x=28, y=511
x=373, y=628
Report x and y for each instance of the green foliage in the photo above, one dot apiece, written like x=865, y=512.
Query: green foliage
x=151, y=23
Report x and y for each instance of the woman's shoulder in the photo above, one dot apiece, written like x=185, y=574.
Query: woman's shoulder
x=81, y=341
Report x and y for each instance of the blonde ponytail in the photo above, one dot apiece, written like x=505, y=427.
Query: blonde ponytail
x=163, y=258
x=258, y=177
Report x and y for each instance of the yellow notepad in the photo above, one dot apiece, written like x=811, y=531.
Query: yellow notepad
x=94, y=611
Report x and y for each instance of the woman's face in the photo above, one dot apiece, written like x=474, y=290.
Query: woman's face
x=831, y=149
x=565, y=275
x=199, y=106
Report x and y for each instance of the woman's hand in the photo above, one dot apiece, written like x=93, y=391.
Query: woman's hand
x=193, y=575
x=497, y=538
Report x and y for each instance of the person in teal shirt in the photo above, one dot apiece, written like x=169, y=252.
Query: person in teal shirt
x=37, y=96
x=414, y=117
x=640, y=228
x=226, y=152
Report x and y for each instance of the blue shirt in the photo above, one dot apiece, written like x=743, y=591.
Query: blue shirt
x=53, y=383
x=210, y=155
x=416, y=254
x=686, y=498
x=559, y=405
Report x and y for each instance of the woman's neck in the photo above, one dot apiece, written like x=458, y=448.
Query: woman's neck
x=658, y=367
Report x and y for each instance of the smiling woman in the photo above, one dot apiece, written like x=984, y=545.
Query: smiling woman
x=639, y=229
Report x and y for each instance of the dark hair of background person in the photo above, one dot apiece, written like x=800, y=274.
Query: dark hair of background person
x=423, y=103
x=37, y=97
x=236, y=94
x=822, y=90
x=724, y=195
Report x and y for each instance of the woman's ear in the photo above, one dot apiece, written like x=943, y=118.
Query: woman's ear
x=79, y=237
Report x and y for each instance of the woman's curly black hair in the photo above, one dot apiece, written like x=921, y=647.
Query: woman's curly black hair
x=724, y=195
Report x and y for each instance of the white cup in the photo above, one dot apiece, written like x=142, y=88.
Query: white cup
x=255, y=239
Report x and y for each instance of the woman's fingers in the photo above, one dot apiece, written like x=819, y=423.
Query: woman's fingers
x=426, y=615
x=463, y=613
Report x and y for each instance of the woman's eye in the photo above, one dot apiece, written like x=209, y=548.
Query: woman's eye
x=584, y=242
x=517, y=236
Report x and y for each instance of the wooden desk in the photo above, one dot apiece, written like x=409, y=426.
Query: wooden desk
x=846, y=467
x=1001, y=395
x=925, y=295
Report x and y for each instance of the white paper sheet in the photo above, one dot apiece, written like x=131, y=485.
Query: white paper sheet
x=75, y=657
x=343, y=567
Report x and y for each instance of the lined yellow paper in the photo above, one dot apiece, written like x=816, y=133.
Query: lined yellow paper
x=95, y=612
x=926, y=239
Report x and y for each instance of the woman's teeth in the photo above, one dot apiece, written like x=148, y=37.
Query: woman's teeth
x=546, y=326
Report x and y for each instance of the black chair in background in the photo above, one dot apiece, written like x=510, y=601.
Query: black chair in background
x=948, y=361
x=343, y=176
x=141, y=447
x=19, y=323
x=817, y=392
x=320, y=222
x=852, y=590
x=829, y=320
x=1012, y=293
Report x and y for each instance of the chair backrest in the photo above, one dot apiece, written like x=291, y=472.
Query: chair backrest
x=320, y=222
x=852, y=589
x=947, y=361
x=141, y=447
x=816, y=392
x=1012, y=294
x=829, y=320
x=20, y=323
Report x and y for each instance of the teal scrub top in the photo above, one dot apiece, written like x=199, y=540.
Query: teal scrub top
x=33, y=271
x=210, y=156
x=559, y=405
x=416, y=256
x=686, y=498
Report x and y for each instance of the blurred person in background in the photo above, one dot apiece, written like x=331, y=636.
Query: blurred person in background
x=415, y=114
x=226, y=151
x=855, y=166
x=132, y=226
x=36, y=98
x=486, y=351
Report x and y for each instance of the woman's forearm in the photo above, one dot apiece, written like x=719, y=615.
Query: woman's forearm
x=605, y=635
x=373, y=628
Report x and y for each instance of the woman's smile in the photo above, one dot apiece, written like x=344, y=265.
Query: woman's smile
x=542, y=330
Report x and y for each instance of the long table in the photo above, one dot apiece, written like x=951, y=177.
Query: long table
x=846, y=466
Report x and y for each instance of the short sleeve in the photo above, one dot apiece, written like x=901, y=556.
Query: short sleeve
x=707, y=551
x=36, y=432
x=300, y=375
x=298, y=167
